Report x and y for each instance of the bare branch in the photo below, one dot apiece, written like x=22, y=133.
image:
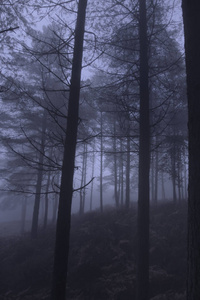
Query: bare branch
x=9, y=29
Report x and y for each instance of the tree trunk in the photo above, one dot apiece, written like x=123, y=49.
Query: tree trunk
x=55, y=209
x=144, y=162
x=156, y=179
x=46, y=207
x=191, y=13
x=83, y=180
x=116, y=194
x=92, y=184
x=152, y=177
x=85, y=173
x=101, y=166
x=34, y=229
x=66, y=190
x=23, y=219
x=128, y=170
x=55, y=201
x=122, y=174
x=185, y=183
x=179, y=179
x=173, y=168
x=163, y=186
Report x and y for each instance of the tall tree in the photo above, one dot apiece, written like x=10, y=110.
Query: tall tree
x=66, y=189
x=144, y=161
x=191, y=10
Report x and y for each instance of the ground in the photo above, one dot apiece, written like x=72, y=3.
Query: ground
x=102, y=262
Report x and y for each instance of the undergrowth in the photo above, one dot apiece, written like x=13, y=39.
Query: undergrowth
x=102, y=261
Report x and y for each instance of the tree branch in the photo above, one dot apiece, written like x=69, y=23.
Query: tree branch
x=9, y=29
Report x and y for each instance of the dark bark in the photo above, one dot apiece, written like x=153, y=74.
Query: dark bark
x=179, y=180
x=191, y=13
x=144, y=162
x=174, y=173
x=66, y=190
x=185, y=183
x=81, y=207
x=83, y=180
x=46, y=203
x=152, y=177
x=85, y=173
x=55, y=208
x=128, y=171
x=34, y=228
x=101, y=166
x=23, y=219
x=155, y=200
x=116, y=194
x=92, y=175
x=121, y=175
x=163, y=187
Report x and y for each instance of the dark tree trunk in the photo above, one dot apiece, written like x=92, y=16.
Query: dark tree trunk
x=60, y=266
x=152, y=177
x=116, y=194
x=179, y=179
x=144, y=162
x=163, y=186
x=128, y=170
x=156, y=179
x=34, y=228
x=83, y=180
x=81, y=207
x=185, y=183
x=174, y=171
x=101, y=166
x=191, y=18
x=85, y=173
x=46, y=204
x=55, y=208
x=92, y=175
x=23, y=219
x=121, y=175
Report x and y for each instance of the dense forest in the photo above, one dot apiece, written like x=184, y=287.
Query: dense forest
x=97, y=99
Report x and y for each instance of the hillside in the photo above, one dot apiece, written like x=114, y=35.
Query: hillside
x=102, y=263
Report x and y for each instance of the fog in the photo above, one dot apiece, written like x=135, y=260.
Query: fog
x=93, y=109
x=13, y=215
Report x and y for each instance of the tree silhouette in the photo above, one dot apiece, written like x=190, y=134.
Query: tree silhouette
x=66, y=189
x=191, y=20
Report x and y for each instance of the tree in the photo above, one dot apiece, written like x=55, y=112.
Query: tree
x=191, y=10
x=144, y=162
x=34, y=227
x=66, y=189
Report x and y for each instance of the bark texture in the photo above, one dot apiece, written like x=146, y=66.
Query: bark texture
x=64, y=210
x=191, y=18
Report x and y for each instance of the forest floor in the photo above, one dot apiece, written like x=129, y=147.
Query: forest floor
x=102, y=262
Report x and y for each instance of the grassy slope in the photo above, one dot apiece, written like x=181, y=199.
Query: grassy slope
x=102, y=258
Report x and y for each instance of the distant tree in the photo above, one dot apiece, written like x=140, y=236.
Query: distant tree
x=191, y=21
x=39, y=180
